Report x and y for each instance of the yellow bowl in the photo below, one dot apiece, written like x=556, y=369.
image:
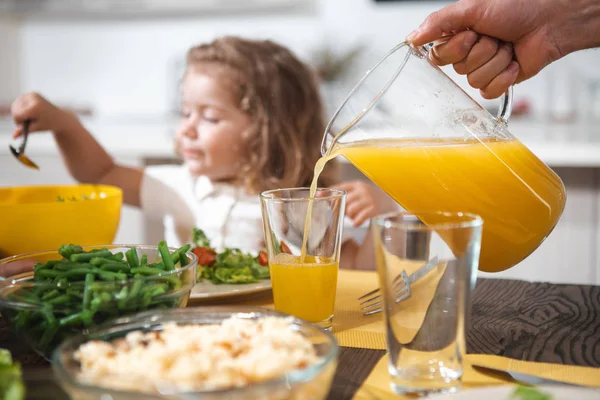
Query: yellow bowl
x=38, y=218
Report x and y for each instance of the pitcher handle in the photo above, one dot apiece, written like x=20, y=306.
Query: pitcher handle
x=506, y=101
x=505, y=110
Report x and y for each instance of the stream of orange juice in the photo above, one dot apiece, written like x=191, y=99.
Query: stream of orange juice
x=519, y=198
x=304, y=288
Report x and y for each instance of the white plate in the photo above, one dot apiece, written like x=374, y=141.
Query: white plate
x=208, y=290
x=504, y=393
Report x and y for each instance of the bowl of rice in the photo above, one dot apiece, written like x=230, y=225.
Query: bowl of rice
x=200, y=353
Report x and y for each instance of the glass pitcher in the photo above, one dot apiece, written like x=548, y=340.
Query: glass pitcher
x=416, y=134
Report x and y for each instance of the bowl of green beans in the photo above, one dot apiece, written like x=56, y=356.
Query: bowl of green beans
x=48, y=296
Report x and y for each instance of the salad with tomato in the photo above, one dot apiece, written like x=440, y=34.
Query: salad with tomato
x=229, y=266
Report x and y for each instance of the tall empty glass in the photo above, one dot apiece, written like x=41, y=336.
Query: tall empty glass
x=426, y=274
x=304, y=285
x=416, y=134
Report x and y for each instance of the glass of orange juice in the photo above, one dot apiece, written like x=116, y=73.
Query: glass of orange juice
x=304, y=272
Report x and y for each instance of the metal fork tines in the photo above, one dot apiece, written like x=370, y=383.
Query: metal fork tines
x=372, y=301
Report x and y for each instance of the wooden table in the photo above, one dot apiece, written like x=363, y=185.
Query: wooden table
x=522, y=320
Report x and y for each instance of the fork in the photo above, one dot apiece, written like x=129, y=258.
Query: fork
x=400, y=286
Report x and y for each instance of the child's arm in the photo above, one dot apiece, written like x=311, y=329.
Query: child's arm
x=86, y=160
x=363, y=201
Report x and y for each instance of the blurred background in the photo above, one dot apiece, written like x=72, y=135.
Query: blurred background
x=118, y=64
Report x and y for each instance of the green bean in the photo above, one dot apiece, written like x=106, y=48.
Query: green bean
x=132, y=257
x=106, y=297
x=115, y=267
x=77, y=272
x=50, y=295
x=84, y=289
x=98, y=261
x=61, y=282
x=48, y=315
x=98, y=250
x=102, y=301
x=60, y=300
x=179, y=252
x=146, y=299
x=147, y=271
x=87, y=317
x=135, y=288
x=67, y=250
x=48, y=273
x=159, y=265
x=172, y=279
x=67, y=265
x=183, y=260
x=75, y=293
x=117, y=257
x=46, y=265
x=154, y=286
x=71, y=319
x=95, y=304
x=111, y=276
x=49, y=334
x=158, y=291
x=87, y=291
x=165, y=255
x=25, y=318
x=86, y=257
x=123, y=295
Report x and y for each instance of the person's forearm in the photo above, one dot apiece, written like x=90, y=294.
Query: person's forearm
x=575, y=25
x=86, y=160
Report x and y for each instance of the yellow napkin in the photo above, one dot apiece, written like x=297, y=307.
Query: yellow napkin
x=350, y=327
x=353, y=329
x=377, y=385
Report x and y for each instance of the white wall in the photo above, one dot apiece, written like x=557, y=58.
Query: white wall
x=9, y=58
x=125, y=67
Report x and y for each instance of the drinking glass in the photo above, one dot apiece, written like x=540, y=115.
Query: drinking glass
x=304, y=284
x=426, y=273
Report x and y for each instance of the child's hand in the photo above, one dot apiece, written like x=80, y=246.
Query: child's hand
x=364, y=201
x=44, y=116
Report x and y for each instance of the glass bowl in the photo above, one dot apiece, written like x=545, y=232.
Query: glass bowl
x=310, y=383
x=44, y=313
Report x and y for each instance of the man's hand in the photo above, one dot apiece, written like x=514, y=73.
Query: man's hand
x=537, y=32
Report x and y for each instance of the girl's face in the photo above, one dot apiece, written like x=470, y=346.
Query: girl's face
x=210, y=137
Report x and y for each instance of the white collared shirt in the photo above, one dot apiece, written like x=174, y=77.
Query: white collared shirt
x=226, y=213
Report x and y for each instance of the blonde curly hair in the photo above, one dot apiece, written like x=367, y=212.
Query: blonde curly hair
x=281, y=95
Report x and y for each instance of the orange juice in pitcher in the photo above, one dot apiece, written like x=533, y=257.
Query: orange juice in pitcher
x=519, y=199
x=412, y=131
